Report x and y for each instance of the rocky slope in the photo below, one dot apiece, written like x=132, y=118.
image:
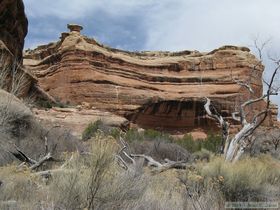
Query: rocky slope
x=77, y=119
x=162, y=90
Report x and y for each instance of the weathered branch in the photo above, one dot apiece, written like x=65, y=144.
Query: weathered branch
x=122, y=151
x=22, y=156
x=49, y=173
x=245, y=104
x=243, y=84
x=235, y=117
x=41, y=161
x=157, y=166
x=261, y=47
x=224, y=125
x=150, y=160
x=121, y=162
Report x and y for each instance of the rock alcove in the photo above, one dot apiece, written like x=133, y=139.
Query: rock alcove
x=172, y=116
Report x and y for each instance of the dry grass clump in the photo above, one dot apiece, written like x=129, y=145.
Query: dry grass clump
x=14, y=115
x=19, y=189
x=250, y=179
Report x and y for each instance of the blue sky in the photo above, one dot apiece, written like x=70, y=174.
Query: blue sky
x=171, y=25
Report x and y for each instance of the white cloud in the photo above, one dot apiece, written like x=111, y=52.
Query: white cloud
x=177, y=24
x=73, y=9
x=204, y=24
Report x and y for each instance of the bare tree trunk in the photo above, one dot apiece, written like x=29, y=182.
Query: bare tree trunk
x=235, y=147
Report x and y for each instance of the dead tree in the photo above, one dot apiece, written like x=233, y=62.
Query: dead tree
x=34, y=164
x=275, y=137
x=128, y=161
x=31, y=163
x=233, y=148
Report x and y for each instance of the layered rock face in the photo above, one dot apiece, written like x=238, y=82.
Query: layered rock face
x=161, y=90
x=13, y=29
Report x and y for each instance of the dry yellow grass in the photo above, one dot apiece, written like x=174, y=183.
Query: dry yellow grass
x=255, y=179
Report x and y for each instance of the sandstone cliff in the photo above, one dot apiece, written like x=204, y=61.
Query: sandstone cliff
x=161, y=90
x=13, y=25
x=13, y=29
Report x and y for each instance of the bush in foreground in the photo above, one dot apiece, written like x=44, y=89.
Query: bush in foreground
x=95, y=181
x=250, y=179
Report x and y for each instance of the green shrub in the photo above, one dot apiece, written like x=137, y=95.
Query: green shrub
x=44, y=104
x=202, y=155
x=146, y=135
x=49, y=105
x=115, y=133
x=133, y=135
x=91, y=129
x=212, y=143
x=189, y=144
x=61, y=105
x=150, y=134
x=107, y=130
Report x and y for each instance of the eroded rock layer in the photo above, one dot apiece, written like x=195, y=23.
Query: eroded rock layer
x=161, y=90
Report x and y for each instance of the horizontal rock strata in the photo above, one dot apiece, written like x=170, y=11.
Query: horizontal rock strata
x=162, y=90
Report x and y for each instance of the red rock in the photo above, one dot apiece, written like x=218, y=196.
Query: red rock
x=162, y=90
